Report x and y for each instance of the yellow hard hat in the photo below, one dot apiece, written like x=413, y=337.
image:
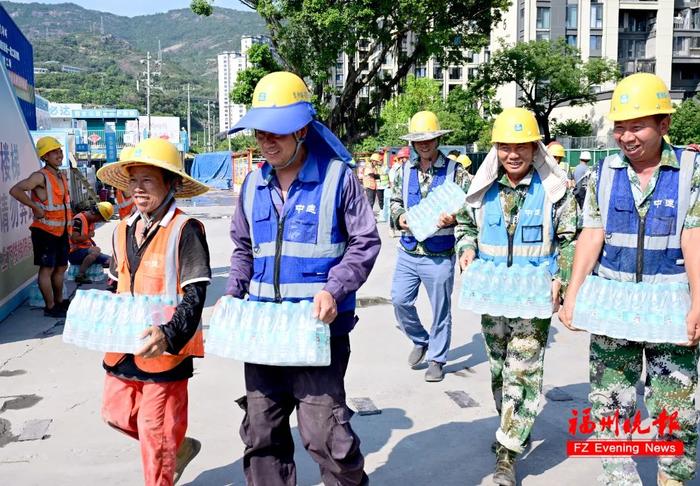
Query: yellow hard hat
x=376, y=158
x=556, y=149
x=515, y=125
x=424, y=126
x=640, y=95
x=155, y=152
x=126, y=154
x=278, y=89
x=45, y=145
x=106, y=210
x=464, y=160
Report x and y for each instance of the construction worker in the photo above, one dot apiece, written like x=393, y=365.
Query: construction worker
x=159, y=250
x=370, y=177
x=652, y=189
x=462, y=159
x=302, y=230
x=431, y=261
x=557, y=151
x=402, y=157
x=519, y=211
x=83, y=250
x=125, y=204
x=582, y=167
x=49, y=201
x=382, y=185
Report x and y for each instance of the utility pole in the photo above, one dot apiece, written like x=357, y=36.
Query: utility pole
x=189, y=128
x=209, y=125
x=149, y=85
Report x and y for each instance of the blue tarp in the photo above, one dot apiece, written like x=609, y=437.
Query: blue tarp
x=213, y=169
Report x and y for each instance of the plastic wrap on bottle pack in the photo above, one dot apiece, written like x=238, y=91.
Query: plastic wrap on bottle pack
x=95, y=272
x=268, y=333
x=104, y=321
x=645, y=312
x=518, y=291
x=423, y=218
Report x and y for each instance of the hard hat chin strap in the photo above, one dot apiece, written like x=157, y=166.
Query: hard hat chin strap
x=149, y=220
x=299, y=141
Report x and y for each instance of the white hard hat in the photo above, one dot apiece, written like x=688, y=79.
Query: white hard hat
x=585, y=155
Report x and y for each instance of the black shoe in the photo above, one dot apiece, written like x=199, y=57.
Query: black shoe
x=55, y=311
x=504, y=474
x=82, y=279
x=417, y=355
x=64, y=304
x=434, y=373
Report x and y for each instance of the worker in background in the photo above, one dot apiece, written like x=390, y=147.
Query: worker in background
x=382, y=184
x=402, y=157
x=370, y=178
x=125, y=204
x=302, y=230
x=557, y=151
x=158, y=251
x=83, y=250
x=583, y=166
x=430, y=262
x=462, y=159
x=49, y=201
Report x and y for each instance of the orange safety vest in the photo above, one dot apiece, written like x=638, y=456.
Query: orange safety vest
x=158, y=274
x=125, y=205
x=85, y=231
x=57, y=210
x=368, y=179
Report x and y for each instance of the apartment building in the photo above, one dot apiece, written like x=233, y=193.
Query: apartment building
x=230, y=63
x=661, y=37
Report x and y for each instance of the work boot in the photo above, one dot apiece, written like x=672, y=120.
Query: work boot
x=417, y=355
x=663, y=480
x=434, y=372
x=188, y=450
x=55, y=311
x=526, y=444
x=504, y=475
x=82, y=279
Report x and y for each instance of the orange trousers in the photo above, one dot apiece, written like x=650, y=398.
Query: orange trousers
x=155, y=414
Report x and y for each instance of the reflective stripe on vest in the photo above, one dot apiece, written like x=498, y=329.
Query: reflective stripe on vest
x=158, y=274
x=662, y=258
x=533, y=239
x=302, y=266
x=57, y=210
x=443, y=239
x=84, y=231
x=125, y=205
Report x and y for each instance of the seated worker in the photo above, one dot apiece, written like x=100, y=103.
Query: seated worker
x=83, y=250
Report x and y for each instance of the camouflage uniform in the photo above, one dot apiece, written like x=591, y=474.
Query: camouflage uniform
x=616, y=364
x=515, y=347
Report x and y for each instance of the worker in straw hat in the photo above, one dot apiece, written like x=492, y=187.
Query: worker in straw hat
x=158, y=250
x=641, y=226
x=431, y=261
x=518, y=215
x=303, y=231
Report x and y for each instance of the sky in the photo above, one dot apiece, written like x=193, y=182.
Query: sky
x=131, y=8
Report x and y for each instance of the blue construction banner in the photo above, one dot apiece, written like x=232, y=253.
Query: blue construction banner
x=110, y=145
x=17, y=53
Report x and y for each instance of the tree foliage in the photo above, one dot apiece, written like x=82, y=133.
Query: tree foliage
x=310, y=35
x=572, y=128
x=548, y=74
x=685, y=123
x=262, y=62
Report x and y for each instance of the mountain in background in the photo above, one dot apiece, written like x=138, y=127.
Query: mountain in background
x=109, y=48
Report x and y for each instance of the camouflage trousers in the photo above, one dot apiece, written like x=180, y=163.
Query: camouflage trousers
x=615, y=368
x=515, y=348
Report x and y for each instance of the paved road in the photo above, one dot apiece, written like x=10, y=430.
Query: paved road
x=421, y=437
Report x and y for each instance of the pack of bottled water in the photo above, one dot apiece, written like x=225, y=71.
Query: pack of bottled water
x=523, y=291
x=94, y=272
x=283, y=334
x=423, y=218
x=642, y=311
x=104, y=321
x=35, y=299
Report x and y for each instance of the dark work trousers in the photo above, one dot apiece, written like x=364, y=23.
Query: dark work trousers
x=380, y=198
x=318, y=394
x=371, y=195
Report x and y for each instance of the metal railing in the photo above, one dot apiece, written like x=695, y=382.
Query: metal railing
x=96, y=139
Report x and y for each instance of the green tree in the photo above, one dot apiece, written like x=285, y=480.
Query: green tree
x=310, y=35
x=548, y=74
x=468, y=122
x=572, y=128
x=685, y=124
x=262, y=62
